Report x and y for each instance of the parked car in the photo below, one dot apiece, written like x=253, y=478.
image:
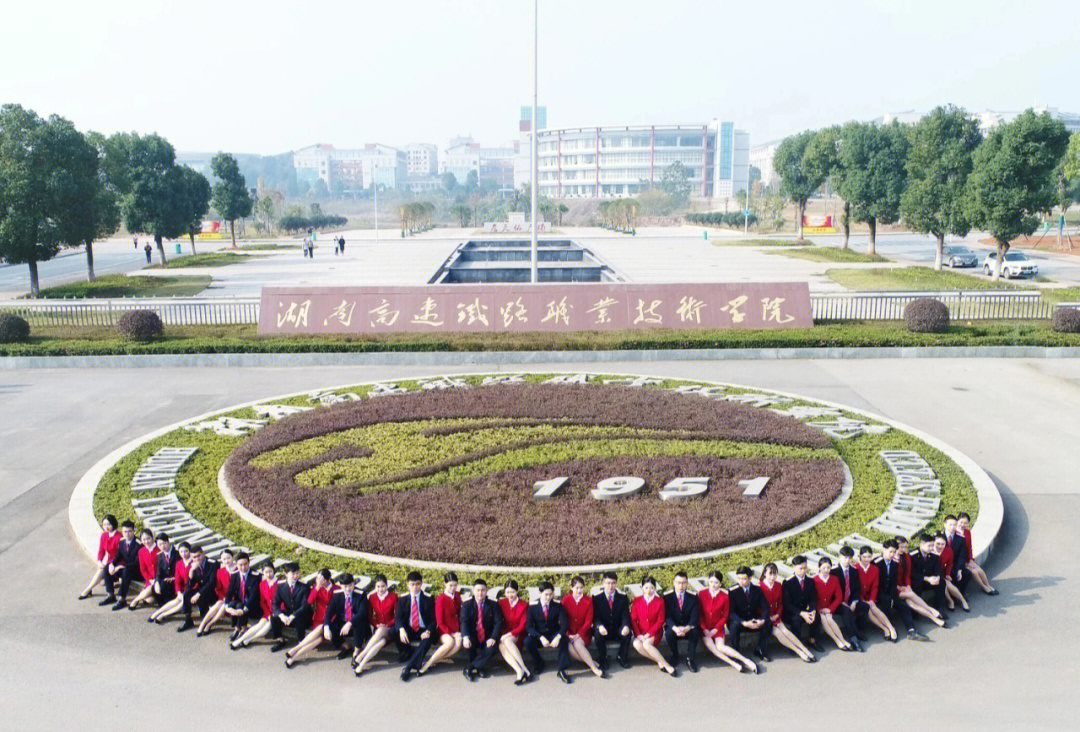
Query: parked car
x=959, y=256
x=1016, y=264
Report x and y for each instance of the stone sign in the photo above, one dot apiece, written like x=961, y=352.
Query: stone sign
x=526, y=307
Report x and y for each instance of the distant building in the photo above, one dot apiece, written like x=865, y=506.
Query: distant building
x=423, y=159
x=465, y=155
x=988, y=119
x=525, y=120
x=761, y=157
x=352, y=168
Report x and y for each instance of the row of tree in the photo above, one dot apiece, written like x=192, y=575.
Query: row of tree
x=62, y=188
x=939, y=176
x=415, y=216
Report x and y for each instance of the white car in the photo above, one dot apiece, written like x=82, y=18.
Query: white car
x=1016, y=264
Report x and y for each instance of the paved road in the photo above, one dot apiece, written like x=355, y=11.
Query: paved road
x=1012, y=663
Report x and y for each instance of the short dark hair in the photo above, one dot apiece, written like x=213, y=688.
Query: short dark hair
x=511, y=585
x=227, y=551
x=940, y=535
x=545, y=586
x=865, y=550
x=111, y=519
x=770, y=567
x=479, y=581
x=925, y=538
x=649, y=580
x=797, y=560
x=744, y=570
x=184, y=545
x=127, y=525
x=889, y=544
x=380, y=578
x=611, y=575
x=196, y=549
x=577, y=579
x=947, y=517
x=162, y=536
x=346, y=579
x=147, y=531
x=846, y=551
x=242, y=555
x=717, y=575
x=900, y=539
x=682, y=574
x=292, y=567
x=824, y=560
x=325, y=574
x=450, y=577
x=963, y=515
x=414, y=576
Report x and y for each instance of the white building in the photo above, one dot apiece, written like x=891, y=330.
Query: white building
x=989, y=119
x=761, y=157
x=465, y=155
x=423, y=159
x=356, y=168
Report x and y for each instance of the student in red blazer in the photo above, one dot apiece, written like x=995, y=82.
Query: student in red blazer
x=712, y=620
x=579, y=615
x=773, y=590
x=904, y=589
x=322, y=590
x=179, y=585
x=829, y=599
x=869, y=587
x=148, y=554
x=383, y=605
x=447, y=615
x=108, y=545
x=221, y=587
x=267, y=590
x=952, y=592
x=963, y=527
x=515, y=612
x=647, y=617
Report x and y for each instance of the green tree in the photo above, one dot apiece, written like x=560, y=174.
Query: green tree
x=873, y=159
x=93, y=211
x=799, y=177
x=675, y=181
x=1012, y=178
x=560, y=210
x=822, y=158
x=462, y=212
x=266, y=210
x=231, y=197
x=938, y=166
x=449, y=183
x=195, y=200
x=1068, y=180
x=472, y=182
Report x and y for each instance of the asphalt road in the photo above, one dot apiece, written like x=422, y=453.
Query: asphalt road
x=1012, y=663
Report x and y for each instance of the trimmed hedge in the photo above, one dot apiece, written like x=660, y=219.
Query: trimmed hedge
x=734, y=219
x=926, y=315
x=1066, y=320
x=13, y=329
x=140, y=325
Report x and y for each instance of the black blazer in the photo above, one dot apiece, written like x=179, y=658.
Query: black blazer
x=335, y=611
x=799, y=599
x=748, y=604
x=492, y=619
x=856, y=584
x=923, y=566
x=556, y=623
x=427, y=613
x=202, y=580
x=128, y=555
x=291, y=603
x=887, y=577
x=166, y=567
x=960, y=557
x=689, y=614
x=614, y=618
x=249, y=601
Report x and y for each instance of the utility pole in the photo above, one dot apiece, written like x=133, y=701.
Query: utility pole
x=375, y=185
x=532, y=177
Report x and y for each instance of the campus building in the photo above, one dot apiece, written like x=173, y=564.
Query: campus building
x=989, y=119
x=465, y=155
x=352, y=168
x=615, y=162
x=761, y=157
x=423, y=159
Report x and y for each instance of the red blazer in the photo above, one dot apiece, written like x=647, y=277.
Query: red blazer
x=903, y=572
x=647, y=618
x=382, y=611
x=515, y=619
x=714, y=611
x=947, y=561
x=775, y=598
x=224, y=576
x=267, y=590
x=967, y=540
x=108, y=546
x=828, y=593
x=183, y=572
x=580, y=616
x=447, y=613
x=148, y=563
x=869, y=582
x=319, y=599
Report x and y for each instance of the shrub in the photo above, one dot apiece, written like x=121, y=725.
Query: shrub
x=926, y=315
x=1066, y=320
x=140, y=325
x=13, y=329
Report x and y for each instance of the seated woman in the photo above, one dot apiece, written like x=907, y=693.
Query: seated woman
x=267, y=590
x=180, y=583
x=869, y=584
x=773, y=590
x=447, y=620
x=221, y=587
x=108, y=546
x=148, y=554
x=713, y=618
x=318, y=598
x=903, y=585
x=383, y=604
x=579, y=613
x=647, y=617
x=515, y=621
x=829, y=598
x=963, y=525
x=952, y=592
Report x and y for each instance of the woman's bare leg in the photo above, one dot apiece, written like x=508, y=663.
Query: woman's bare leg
x=215, y=613
x=310, y=642
x=255, y=632
x=881, y=620
x=581, y=652
x=169, y=608
x=509, y=656
x=97, y=579
x=953, y=592
x=448, y=646
x=919, y=605
x=828, y=623
x=790, y=641
x=374, y=645
x=979, y=575
x=712, y=647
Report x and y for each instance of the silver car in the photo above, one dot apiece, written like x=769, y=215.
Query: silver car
x=1016, y=264
x=959, y=256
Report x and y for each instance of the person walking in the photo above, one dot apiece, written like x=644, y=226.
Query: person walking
x=147, y=249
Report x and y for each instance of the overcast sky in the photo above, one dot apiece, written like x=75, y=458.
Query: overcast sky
x=272, y=76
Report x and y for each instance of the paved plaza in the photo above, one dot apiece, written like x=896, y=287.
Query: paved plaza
x=1010, y=664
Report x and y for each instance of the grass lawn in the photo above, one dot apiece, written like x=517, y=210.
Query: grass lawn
x=209, y=259
x=914, y=278
x=829, y=254
x=1062, y=294
x=759, y=243
x=135, y=286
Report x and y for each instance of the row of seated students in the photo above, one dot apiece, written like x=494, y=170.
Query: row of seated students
x=838, y=602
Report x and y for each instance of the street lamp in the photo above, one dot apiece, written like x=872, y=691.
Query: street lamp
x=532, y=182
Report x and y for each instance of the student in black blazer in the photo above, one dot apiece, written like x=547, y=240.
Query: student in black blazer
x=547, y=627
x=127, y=554
x=242, y=603
x=926, y=576
x=415, y=623
x=681, y=615
x=481, y=628
x=748, y=613
x=202, y=576
x=800, y=603
x=611, y=618
x=960, y=574
x=347, y=616
x=291, y=608
x=165, y=575
x=852, y=611
x=888, y=598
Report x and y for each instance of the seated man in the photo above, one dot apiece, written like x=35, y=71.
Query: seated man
x=888, y=598
x=547, y=625
x=165, y=576
x=853, y=611
x=749, y=613
x=347, y=616
x=242, y=603
x=926, y=578
x=611, y=618
x=681, y=614
x=800, y=603
x=415, y=623
x=291, y=608
x=126, y=564
x=954, y=540
x=202, y=577
x=481, y=627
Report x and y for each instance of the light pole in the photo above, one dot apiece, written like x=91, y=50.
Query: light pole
x=375, y=185
x=746, y=211
x=532, y=177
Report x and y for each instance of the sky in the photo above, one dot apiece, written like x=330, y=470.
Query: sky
x=269, y=77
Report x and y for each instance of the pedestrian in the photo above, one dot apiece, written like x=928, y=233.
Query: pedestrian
x=135, y=241
x=147, y=250
x=341, y=245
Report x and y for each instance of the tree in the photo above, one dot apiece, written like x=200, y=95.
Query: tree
x=143, y=171
x=675, y=181
x=462, y=212
x=195, y=200
x=266, y=210
x=472, y=182
x=938, y=166
x=1068, y=180
x=822, y=158
x=449, y=183
x=231, y=197
x=873, y=158
x=1012, y=179
x=95, y=213
x=799, y=178
x=560, y=210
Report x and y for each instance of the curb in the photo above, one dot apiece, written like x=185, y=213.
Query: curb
x=86, y=528
x=469, y=358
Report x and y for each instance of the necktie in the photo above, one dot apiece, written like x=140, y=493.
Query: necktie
x=545, y=612
x=680, y=601
x=414, y=616
x=480, y=623
x=847, y=586
x=611, y=602
x=348, y=608
x=242, y=593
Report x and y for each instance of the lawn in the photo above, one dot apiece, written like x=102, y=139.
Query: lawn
x=914, y=278
x=209, y=259
x=829, y=254
x=116, y=285
x=760, y=243
x=1062, y=294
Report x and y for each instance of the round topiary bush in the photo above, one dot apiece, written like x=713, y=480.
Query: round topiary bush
x=13, y=329
x=1066, y=320
x=140, y=325
x=926, y=315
